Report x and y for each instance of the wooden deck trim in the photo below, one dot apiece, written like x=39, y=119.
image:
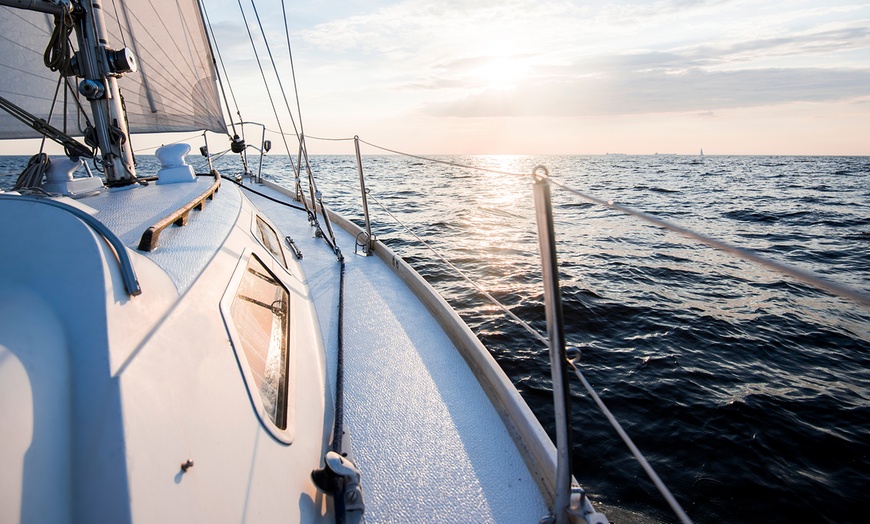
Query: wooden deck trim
x=179, y=217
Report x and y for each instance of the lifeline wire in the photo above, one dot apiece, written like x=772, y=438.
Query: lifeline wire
x=446, y=162
x=799, y=274
x=492, y=299
x=180, y=140
x=665, y=492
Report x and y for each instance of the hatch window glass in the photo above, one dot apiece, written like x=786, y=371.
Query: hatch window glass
x=270, y=240
x=261, y=314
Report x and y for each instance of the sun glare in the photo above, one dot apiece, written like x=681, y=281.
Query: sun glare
x=500, y=73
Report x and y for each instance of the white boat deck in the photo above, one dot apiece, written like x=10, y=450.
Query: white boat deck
x=429, y=443
x=125, y=211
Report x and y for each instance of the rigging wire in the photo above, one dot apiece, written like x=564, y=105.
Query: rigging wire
x=302, y=144
x=312, y=214
x=292, y=68
x=277, y=75
x=118, y=19
x=51, y=110
x=300, y=137
x=348, y=139
x=263, y=76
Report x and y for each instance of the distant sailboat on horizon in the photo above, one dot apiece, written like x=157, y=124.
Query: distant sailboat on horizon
x=702, y=151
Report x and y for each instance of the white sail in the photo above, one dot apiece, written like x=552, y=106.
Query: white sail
x=173, y=90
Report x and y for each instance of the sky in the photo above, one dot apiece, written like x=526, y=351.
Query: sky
x=562, y=77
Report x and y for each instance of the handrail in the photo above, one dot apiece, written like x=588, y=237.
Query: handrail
x=128, y=273
x=179, y=217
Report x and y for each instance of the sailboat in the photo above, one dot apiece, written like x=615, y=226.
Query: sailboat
x=181, y=346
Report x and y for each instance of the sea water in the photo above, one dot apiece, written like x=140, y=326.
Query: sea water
x=747, y=391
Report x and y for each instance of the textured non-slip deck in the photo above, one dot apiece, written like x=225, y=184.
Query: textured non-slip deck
x=198, y=240
x=430, y=445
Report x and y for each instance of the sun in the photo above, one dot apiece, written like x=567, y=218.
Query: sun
x=500, y=72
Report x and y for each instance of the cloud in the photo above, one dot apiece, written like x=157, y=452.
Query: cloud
x=814, y=43
x=594, y=58
x=726, y=74
x=662, y=92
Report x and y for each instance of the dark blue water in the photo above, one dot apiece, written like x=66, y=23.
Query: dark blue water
x=749, y=392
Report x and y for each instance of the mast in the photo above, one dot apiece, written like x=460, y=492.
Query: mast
x=100, y=67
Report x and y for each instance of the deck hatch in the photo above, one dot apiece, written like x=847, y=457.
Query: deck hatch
x=260, y=313
x=269, y=238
